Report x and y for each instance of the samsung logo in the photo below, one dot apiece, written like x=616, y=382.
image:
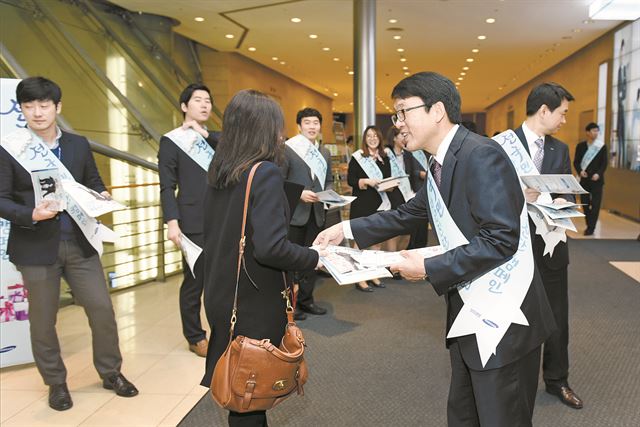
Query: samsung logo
x=490, y=323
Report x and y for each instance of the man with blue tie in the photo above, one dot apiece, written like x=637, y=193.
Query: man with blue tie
x=547, y=107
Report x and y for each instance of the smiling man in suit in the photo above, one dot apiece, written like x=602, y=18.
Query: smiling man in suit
x=547, y=107
x=481, y=190
x=47, y=245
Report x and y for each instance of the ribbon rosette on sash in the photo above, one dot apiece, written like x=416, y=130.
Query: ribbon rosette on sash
x=591, y=153
x=372, y=170
x=193, y=144
x=32, y=155
x=312, y=157
x=405, y=186
x=492, y=301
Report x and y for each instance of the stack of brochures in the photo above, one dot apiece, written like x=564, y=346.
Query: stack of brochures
x=391, y=182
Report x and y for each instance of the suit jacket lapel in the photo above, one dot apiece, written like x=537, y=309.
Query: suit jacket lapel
x=549, y=152
x=67, y=149
x=449, y=165
x=520, y=134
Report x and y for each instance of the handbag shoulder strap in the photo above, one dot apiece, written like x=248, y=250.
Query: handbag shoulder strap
x=241, y=246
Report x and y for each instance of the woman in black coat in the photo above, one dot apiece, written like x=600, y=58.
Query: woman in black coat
x=252, y=129
x=368, y=199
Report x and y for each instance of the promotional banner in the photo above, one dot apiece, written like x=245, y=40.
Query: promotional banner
x=15, y=343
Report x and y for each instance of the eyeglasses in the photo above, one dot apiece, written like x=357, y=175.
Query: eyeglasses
x=400, y=114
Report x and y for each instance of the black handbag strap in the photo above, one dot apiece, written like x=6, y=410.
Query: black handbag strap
x=241, y=246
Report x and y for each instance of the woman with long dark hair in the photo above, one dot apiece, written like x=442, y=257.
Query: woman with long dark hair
x=252, y=132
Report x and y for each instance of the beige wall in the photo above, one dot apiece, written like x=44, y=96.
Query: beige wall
x=227, y=73
x=579, y=75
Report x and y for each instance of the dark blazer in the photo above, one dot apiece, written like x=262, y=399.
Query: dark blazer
x=261, y=309
x=555, y=161
x=178, y=170
x=368, y=200
x=482, y=192
x=598, y=164
x=37, y=244
x=296, y=170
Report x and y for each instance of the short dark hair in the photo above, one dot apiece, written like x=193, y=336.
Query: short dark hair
x=38, y=89
x=549, y=94
x=187, y=93
x=431, y=88
x=308, y=112
x=252, y=127
x=592, y=125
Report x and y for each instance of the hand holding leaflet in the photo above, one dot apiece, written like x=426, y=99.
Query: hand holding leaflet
x=191, y=252
x=559, y=184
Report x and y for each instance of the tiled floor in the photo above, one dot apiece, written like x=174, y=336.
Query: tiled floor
x=156, y=359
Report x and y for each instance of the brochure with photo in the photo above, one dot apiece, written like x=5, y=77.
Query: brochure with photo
x=47, y=185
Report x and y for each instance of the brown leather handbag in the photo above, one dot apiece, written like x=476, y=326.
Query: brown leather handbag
x=254, y=374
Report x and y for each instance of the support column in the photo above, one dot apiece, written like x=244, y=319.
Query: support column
x=364, y=65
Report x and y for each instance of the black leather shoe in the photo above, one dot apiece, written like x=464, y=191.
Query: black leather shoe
x=312, y=308
x=588, y=232
x=120, y=385
x=377, y=285
x=298, y=314
x=59, y=397
x=367, y=289
x=566, y=396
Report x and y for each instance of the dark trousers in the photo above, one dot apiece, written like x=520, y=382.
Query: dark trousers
x=555, y=357
x=304, y=236
x=591, y=203
x=493, y=398
x=248, y=419
x=191, y=294
x=86, y=280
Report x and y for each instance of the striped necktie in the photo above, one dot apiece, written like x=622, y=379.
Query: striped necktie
x=537, y=159
x=436, y=170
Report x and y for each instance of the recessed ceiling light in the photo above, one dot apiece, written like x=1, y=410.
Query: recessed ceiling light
x=405, y=68
x=465, y=68
x=400, y=49
x=336, y=59
x=397, y=37
x=313, y=36
x=403, y=59
x=199, y=19
x=326, y=49
x=140, y=84
x=457, y=83
x=335, y=93
x=490, y=20
x=460, y=78
x=482, y=37
x=393, y=21
x=252, y=49
x=462, y=73
x=296, y=20
x=406, y=73
x=229, y=36
x=282, y=62
x=469, y=59
x=350, y=73
x=275, y=58
x=475, y=50
x=500, y=88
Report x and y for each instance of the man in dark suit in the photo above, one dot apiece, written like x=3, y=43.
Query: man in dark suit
x=547, y=106
x=591, y=174
x=481, y=190
x=184, y=213
x=46, y=245
x=309, y=216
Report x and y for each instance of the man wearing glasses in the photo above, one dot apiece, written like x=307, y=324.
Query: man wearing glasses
x=480, y=189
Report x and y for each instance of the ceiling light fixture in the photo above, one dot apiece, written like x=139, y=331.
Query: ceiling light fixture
x=326, y=49
x=393, y=21
x=490, y=20
x=475, y=50
x=403, y=59
x=482, y=37
x=469, y=59
x=229, y=36
x=465, y=68
x=199, y=19
x=400, y=49
x=397, y=37
x=335, y=93
x=460, y=78
x=336, y=59
x=462, y=73
x=405, y=68
x=457, y=83
x=282, y=62
x=251, y=49
x=350, y=73
x=406, y=73
x=296, y=20
x=313, y=36
x=275, y=58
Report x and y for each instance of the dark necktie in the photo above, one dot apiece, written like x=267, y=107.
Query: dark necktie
x=436, y=170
